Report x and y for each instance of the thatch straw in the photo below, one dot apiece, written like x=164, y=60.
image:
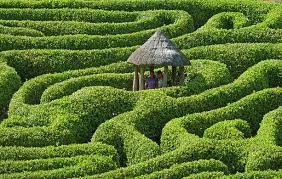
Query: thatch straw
x=158, y=50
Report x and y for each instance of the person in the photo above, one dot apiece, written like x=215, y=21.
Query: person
x=160, y=79
x=151, y=81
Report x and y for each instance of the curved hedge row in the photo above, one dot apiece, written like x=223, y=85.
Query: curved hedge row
x=182, y=23
x=145, y=20
x=232, y=153
x=237, y=57
x=67, y=14
x=19, y=31
x=90, y=165
x=255, y=174
x=68, y=120
x=170, y=139
x=185, y=169
x=168, y=108
x=201, y=10
x=235, y=129
x=212, y=123
x=9, y=84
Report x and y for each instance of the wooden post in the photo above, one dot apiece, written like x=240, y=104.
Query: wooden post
x=181, y=75
x=152, y=67
x=173, y=75
x=165, y=75
x=136, y=79
x=142, y=78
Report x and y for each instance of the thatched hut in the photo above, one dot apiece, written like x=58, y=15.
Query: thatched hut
x=157, y=51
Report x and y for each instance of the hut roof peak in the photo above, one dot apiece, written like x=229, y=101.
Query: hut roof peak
x=158, y=50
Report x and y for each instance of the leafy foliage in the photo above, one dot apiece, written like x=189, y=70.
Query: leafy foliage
x=68, y=109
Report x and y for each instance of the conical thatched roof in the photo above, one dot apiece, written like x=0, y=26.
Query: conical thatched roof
x=158, y=50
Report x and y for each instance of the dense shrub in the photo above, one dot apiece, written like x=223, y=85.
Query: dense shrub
x=237, y=57
x=171, y=132
x=270, y=130
x=31, y=63
x=70, y=119
x=146, y=122
x=145, y=20
x=254, y=174
x=9, y=84
x=19, y=31
x=184, y=169
x=67, y=14
x=226, y=20
x=233, y=129
x=67, y=87
x=270, y=158
x=181, y=25
x=91, y=165
x=201, y=75
x=31, y=153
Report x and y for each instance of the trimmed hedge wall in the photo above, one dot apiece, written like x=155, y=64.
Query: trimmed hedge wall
x=91, y=165
x=31, y=153
x=172, y=132
x=255, y=174
x=201, y=10
x=68, y=120
x=234, y=129
x=270, y=158
x=67, y=14
x=168, y=108
x=184, y=169
x=270, y=130
x=144, y=21
x=226, y=20
x=9, y=84
x=19, y=31
x=50, y=61
x=182, y=23
x=237, y=57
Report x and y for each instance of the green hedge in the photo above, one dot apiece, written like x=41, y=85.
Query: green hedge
x=273, y=19
x=237, y=57
x=137, y=119
x=223, y=36
x=255, y=174
x=70, y=119
x=201, y=75
x=90, y=165
x=259, y=75
x=31, y=63
x=17, y=153
x=9, y=84
x=230, y=152
x=182, y=24
x=68, y=87
x=8, y=167
x=234, y=129
x=146, y=122
x=201, y=10
x=270, y=158
x=189, y=153
x=270, y=130
x=226, y=20
x=144, y=21
x=184, y=169
x=186, y=131
x=67, y=14
x=20, y=31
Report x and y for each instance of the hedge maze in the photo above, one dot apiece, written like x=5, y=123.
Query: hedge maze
x=67, y=108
